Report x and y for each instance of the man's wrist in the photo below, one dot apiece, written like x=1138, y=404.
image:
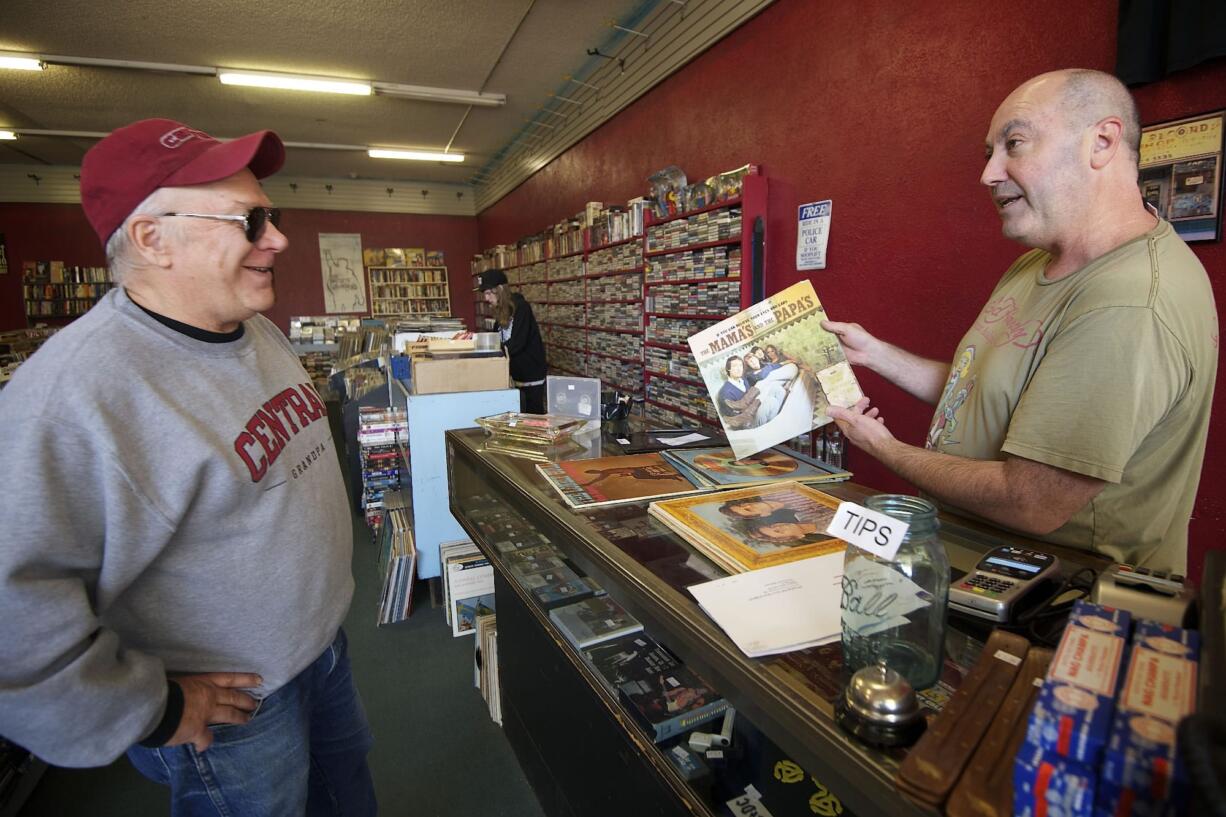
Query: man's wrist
x=171, y=717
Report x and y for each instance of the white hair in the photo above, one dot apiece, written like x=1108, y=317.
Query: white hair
x=119, y=256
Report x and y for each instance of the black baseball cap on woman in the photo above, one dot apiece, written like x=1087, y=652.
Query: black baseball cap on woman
x=492, y=278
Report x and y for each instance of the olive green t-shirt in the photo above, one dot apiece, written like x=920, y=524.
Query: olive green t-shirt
x=1107, y=372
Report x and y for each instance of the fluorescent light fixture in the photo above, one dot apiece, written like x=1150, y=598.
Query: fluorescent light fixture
x=429, y=94
x=414, y=155
x=21, y=62
x=7, y=136
x=293, y=82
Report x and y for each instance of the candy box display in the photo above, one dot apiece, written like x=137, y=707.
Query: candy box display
x=1046, y=784
x=1140, y=764
x=1072, y=716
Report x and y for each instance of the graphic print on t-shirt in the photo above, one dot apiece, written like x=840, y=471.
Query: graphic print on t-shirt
x=999, y=324
x=274, y=424
x=959, y=386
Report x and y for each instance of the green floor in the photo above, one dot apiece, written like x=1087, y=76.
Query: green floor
x=436, y=750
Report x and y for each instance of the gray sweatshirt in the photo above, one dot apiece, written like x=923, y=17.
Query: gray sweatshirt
x=170, y=506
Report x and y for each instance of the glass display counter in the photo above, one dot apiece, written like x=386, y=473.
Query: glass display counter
x=577, y=744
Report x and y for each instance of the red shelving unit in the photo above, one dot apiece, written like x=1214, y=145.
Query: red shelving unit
x=685, y=316
x=615, y=272
x=753, y=205
x=611, y=329
x=614, y=357
x=626, y=360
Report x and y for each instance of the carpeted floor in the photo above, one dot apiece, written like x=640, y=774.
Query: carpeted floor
x=437, y=753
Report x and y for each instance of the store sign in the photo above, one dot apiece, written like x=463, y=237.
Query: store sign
x=812, y=234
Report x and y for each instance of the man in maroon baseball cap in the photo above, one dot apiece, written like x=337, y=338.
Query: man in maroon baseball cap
x=198, y=576
x=132, y=162
x=159, y=195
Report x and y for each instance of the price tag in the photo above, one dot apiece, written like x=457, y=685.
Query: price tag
x=878, y=533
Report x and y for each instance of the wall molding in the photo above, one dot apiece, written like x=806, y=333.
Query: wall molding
x=59, y=185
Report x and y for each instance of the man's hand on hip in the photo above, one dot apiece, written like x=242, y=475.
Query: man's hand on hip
x=212, y=697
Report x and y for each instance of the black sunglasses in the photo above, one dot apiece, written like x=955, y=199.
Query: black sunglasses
x=253, y=222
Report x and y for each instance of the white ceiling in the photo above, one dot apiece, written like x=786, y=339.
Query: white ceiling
x=524, y=49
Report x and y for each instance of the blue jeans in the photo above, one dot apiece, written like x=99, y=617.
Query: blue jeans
x=303, y=752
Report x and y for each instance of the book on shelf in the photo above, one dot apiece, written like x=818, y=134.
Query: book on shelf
x=748, y=528
x=472, y=593
x=470, y=586
x=374, y=257
x=609, y=480
x=434, y=258
x=593, y=620
x=467, y=610
x=414, y=256
x=394, y=257
x=447, y=552
x=771, y=370
x=665, y=697
x=720, y=468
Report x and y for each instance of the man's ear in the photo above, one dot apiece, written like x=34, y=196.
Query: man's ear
x=1107, y=137
x=148, y=237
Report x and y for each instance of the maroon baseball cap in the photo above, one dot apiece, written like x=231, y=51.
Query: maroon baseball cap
x=130, y=163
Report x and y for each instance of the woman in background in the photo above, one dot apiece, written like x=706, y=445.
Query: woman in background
x=521, y=337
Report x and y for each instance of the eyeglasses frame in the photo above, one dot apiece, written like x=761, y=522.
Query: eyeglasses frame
x=271, y=215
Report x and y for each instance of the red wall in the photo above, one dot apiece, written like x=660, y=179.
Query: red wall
x=881, y=106
x=60, y=232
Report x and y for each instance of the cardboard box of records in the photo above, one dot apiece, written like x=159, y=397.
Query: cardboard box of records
x=437, y=375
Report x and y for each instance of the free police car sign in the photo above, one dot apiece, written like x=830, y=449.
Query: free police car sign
x=812, y=234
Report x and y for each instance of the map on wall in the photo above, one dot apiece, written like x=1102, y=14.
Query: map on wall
x=340, y=261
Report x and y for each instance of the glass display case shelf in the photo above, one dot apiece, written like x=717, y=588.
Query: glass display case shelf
x=646, y=568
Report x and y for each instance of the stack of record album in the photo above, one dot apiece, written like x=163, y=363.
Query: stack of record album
x=719, y=467
x=750, y=528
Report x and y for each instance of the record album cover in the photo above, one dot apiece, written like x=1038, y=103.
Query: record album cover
x=748, y=528
x=772, y=370
x=720, y=467
x=606, y=480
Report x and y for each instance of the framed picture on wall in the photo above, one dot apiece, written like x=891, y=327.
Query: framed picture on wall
x=1181, y=174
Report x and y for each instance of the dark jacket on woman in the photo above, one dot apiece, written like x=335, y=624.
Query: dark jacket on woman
x=525, y=347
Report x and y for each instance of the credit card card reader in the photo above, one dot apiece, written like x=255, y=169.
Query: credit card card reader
x=1002, y=578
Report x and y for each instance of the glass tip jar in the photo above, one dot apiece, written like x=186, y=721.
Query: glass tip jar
x=894, y=610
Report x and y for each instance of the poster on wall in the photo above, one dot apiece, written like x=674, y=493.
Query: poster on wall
x=812, y=234
x=1181, y=174
x=340, y=261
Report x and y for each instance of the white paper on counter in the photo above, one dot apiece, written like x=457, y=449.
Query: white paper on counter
x=778, y=609
x=688, y=438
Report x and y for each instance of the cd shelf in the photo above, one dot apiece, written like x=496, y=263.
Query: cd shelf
x=648, y=291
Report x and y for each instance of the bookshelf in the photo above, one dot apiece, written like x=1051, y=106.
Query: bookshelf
x=52, y=289
x=696, y=272
x=615, y=312
x=622, y=306
x=408, y=291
